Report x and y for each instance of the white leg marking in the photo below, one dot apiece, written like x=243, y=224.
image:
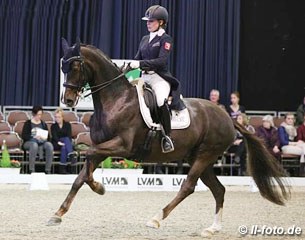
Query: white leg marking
x=155, y=221
x=216, y=226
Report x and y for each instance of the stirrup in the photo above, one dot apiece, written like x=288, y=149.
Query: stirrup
x=167, y=144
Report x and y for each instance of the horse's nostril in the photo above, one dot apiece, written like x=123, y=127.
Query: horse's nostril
x=69, y=102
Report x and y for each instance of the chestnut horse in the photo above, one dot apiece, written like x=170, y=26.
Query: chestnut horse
x=117, y=129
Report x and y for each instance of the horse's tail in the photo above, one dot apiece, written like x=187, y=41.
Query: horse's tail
x=265, y=169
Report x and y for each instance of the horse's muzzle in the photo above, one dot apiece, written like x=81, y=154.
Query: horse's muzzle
x=69, y=102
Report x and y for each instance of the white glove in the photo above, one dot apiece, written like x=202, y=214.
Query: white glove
x=134, y=64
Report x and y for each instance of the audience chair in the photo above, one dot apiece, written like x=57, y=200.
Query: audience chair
x=77, y=127
x=14, y=144
x=85, y=118
x=49, y=124
x=4, y=126
x=70, y=116
x=15, y=116
x=18, y=127
x=83, y=138
x=47, y=116
x=278, y=121
x=256, y=121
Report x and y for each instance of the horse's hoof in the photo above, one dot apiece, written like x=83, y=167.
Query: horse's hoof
x=54, y=221
x=153, y=224
x=209, y=232
x=100, y=189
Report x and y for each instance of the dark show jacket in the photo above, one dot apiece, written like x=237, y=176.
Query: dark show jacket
x=153, y=56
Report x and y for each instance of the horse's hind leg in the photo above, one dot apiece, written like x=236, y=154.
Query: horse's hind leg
x=86, y=175
x=187, y=188
x=209, y=178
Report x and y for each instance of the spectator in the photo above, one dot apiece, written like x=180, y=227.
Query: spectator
x=214, y=98
x=61, y=139
x=235, y=109
x=301, y=131
x=269, y=134
x=238, y=147
x=35, y=137
x=287, y=134
x=243, y=120
x=300, y=113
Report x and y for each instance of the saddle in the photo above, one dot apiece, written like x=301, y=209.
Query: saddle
x=150, y=100
x=149, y=109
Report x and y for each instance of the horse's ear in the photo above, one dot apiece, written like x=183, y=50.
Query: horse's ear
x=64, y=45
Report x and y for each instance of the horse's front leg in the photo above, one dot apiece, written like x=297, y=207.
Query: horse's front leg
x=92, y=163
x=86, y=175
x=78, y=183
x=95, y=156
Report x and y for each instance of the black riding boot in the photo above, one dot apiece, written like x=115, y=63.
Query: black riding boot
x=165, y=118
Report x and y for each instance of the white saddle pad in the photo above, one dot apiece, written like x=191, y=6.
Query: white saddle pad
x=180, y=119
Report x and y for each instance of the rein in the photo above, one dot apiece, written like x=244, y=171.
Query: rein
x=94, y=89
x=103, y=85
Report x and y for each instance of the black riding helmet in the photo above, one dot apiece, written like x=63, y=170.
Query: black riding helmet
x=156, y=12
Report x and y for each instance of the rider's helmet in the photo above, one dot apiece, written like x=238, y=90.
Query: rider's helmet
x=156, y=12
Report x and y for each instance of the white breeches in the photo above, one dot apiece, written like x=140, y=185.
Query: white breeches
x=159, y=85
x=299, y=149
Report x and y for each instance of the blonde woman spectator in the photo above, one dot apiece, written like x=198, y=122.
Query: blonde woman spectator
x=214, y=98
x=235, y=109
x=61, y=139
x=289, y=145
x=269, y=134
x=243, y=120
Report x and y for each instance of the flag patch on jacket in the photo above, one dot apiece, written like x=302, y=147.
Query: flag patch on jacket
x=167, y=46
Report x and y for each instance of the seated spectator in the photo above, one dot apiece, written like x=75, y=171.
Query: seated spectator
x=289, y=145
x=62, y=141
x=301, y=131
x=235, y=109
x=238, y=147
x=34, y=135
x=300, y=113
x=243, y=120
x=214, y=98
x=269, y=134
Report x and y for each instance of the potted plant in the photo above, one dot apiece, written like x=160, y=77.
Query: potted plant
x=120, y=165
x=8, y=166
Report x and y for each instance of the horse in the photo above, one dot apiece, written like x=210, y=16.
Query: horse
x=117, y=129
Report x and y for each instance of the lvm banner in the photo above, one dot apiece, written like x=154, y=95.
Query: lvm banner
x=143, y=182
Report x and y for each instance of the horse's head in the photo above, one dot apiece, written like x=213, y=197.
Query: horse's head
x=74, y=71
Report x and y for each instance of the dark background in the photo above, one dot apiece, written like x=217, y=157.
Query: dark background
x=272, y=54
x=254, y=46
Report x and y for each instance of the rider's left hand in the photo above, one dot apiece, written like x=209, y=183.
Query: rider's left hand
x=134, y=64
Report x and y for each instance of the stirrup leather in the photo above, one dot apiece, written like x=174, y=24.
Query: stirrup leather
x=167, y=144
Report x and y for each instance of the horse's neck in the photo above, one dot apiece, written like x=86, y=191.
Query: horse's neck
x=113, y=96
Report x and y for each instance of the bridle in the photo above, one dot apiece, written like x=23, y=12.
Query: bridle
x=66, y=67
